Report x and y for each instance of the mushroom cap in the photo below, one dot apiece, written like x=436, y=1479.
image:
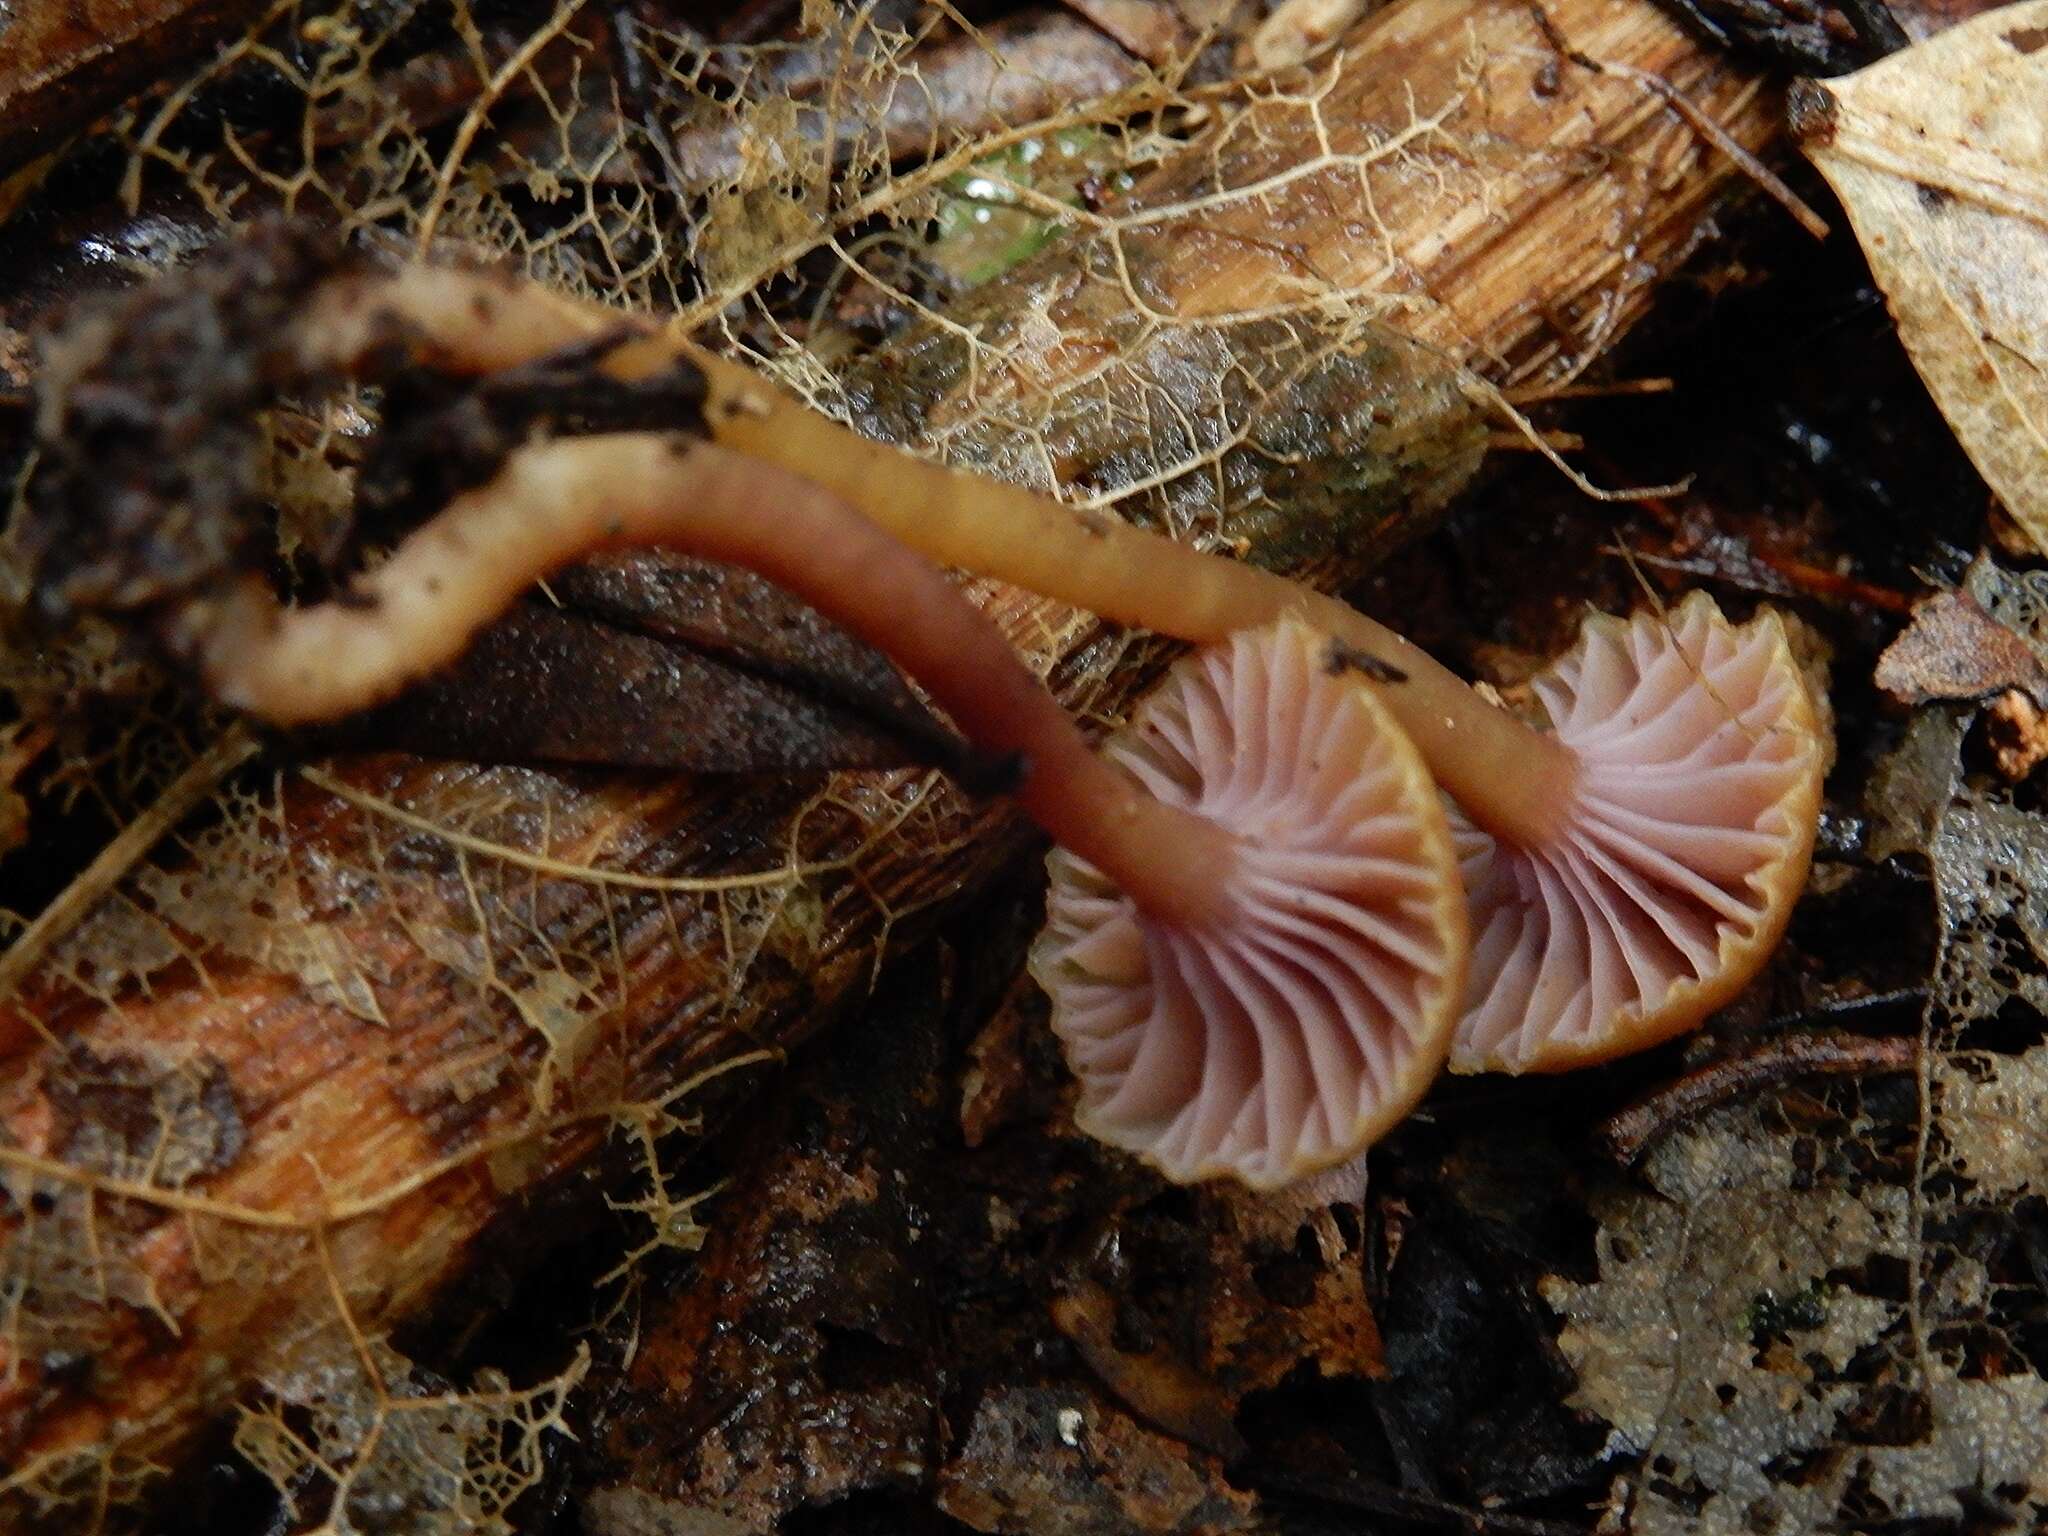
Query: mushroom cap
x=1687, y=839
x=1284, y=1035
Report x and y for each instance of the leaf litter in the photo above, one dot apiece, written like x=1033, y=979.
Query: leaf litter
x=1801, y=1322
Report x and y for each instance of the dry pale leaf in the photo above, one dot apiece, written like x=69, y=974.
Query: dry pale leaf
x=1940, y=155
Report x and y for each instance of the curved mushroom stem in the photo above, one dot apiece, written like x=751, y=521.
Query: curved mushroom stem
x=1514, y=781
x=554, y=502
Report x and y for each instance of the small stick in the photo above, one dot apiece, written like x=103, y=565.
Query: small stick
x=1537, y=394
x=1769, y=180
x=1515, y=442
x=1625, y=1137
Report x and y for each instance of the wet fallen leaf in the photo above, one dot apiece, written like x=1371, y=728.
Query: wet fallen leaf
x=1953, y=649
x=1980, y=642
x=654, y=661
x=1940, y=155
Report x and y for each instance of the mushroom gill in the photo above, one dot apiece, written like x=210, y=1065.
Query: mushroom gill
x=1312, y=1012
x=1683, y=841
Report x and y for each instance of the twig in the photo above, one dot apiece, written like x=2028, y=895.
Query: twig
x=1834, y=586
x=1716, y=135
x=1625, y=1137
x=1534, y=394
x=1515, y=442
x=1485, y=392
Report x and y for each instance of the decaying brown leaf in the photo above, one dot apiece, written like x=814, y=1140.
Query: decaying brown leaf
x=1940, y=154
x=1980, y=642
x=654, y=661
x=1955, y=650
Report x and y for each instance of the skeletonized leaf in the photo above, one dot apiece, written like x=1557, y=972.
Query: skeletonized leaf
x=1940, y=155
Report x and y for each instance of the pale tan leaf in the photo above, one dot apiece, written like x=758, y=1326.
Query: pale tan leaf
x=1940, y=155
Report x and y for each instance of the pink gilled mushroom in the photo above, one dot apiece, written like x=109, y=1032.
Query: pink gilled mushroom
x=1622, y=943
x=1630, y=876
x=1691, y=824
x=1272, y=854
x=1631, y=909
x=1288, y=1043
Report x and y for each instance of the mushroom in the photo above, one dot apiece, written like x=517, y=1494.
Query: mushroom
x=1692, y=822
x=1271, y=856
x=1315, y=1024
x=1686, y=920
x=1629, y=869
x=1547, y=800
